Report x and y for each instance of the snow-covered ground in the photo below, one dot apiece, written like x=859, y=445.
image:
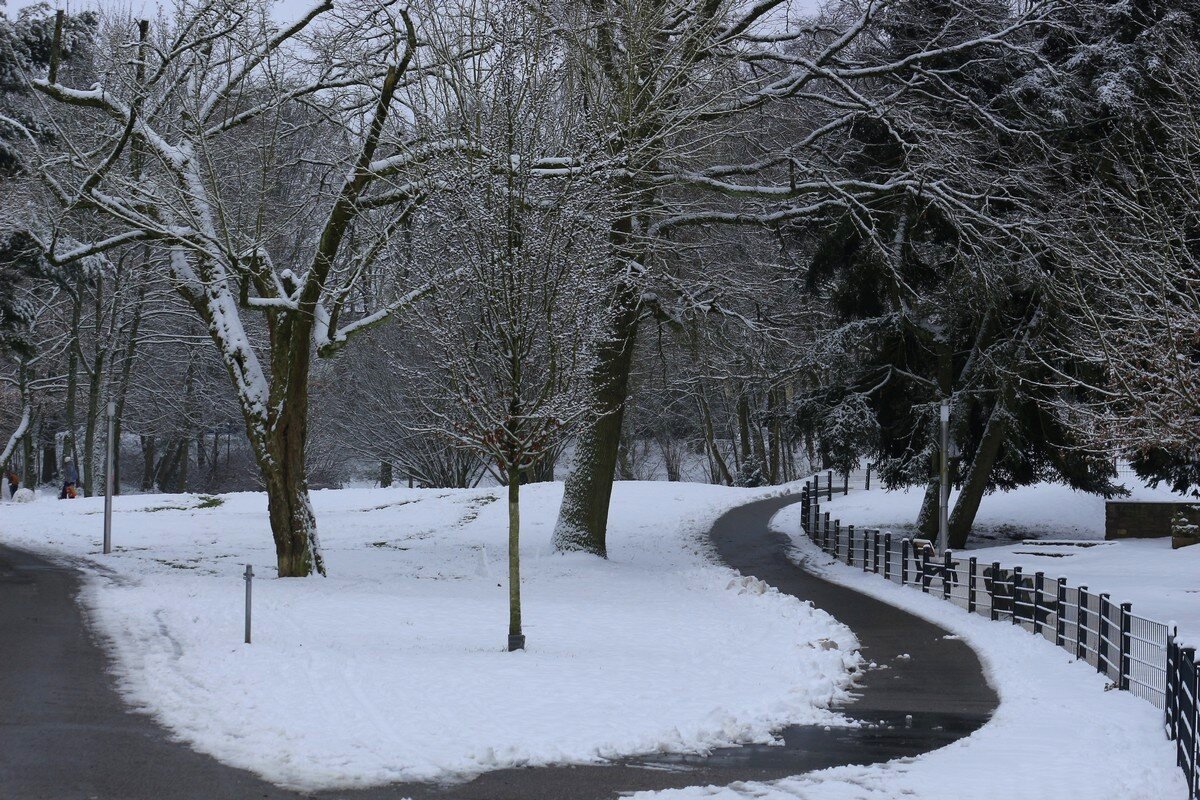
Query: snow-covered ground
x=1057, y=733
x=392, y=668
x=1163, y=584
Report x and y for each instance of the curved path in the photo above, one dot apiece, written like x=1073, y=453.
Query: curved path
x=65, y=734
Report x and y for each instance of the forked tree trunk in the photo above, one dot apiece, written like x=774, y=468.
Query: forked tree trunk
x=583, y=517
x=927, y=517
x=976, y=481
x=516, y=639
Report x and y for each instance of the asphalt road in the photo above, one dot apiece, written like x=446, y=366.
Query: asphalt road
x=65, y=733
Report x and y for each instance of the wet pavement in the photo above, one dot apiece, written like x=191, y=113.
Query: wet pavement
x=65, y=733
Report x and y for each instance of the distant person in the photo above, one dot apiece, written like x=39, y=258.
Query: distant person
x=70, y=479
x=14, y=483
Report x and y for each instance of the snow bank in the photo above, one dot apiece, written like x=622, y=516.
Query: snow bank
x=1056, y=733
x=392, y=669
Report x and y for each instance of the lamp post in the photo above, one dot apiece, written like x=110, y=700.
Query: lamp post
x=108, y=478
x=944, y=499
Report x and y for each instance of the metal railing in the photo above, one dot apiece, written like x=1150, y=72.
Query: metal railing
x=1138, y=655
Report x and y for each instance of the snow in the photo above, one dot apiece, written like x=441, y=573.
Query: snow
x=393, y=668
x=1056, y=733
x=1161, y=583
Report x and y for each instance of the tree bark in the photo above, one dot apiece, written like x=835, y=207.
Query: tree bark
x=927, y=517
x=976, y=481
x=583, y=517
x=516, y=639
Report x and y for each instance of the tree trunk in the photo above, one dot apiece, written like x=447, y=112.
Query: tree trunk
x=516, y=639
x=583, y=517
x=147, y=463
x=976, y=482
x=385, y=474
x=49, y=461
x=927, y=518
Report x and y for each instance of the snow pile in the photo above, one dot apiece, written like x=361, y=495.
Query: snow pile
x=393, y=668
x=1056, y=733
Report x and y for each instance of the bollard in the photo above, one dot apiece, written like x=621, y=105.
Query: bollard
x=249, y=578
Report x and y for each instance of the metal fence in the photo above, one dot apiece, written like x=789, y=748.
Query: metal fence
x=1138, y=655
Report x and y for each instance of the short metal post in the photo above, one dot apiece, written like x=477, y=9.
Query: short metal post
x=1039, y=583
x=1016, y=583
x=1081, y=609
x=947, y=567
x=108, y=477
x=1124, y=665
x=905, y=544
x=992, y=590
x=1102, y=635
x=249, y=578
x=1060, y=613
x=887, y=556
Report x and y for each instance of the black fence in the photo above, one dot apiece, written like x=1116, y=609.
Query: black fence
x=1138, y=655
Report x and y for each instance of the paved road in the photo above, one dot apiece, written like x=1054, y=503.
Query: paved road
x=65, y=734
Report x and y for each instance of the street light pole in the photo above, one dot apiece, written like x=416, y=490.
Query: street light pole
x=108, y=478
x=944, y=499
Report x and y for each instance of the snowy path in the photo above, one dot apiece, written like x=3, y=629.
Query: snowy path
x=65, y=732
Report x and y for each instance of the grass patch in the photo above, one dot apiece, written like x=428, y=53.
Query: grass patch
x=208, y=501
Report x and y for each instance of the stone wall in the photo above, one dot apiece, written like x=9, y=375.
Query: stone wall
x=1132, y=519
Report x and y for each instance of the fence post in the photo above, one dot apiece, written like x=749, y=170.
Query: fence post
x=849, y=541
x=1192, y=788
x=828, y=529
x=867, y=484
x=1060, y=608
x=1039, y=584
x=866, y=558
x=1169, y=690
x=887, y=555
x=830, y=479
x=1081, y=609
x=905, y=544
x=972, y=575
x=1102, y=635
x=875, y=551
x=926, y=554
x=1123, y=661
x=992, y=591
x=1016, y=582
x=846, y=483
x=1184, y=655
x=947, y=566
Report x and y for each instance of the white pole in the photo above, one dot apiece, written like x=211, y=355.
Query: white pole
x=108, y=478
x=944, y=500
